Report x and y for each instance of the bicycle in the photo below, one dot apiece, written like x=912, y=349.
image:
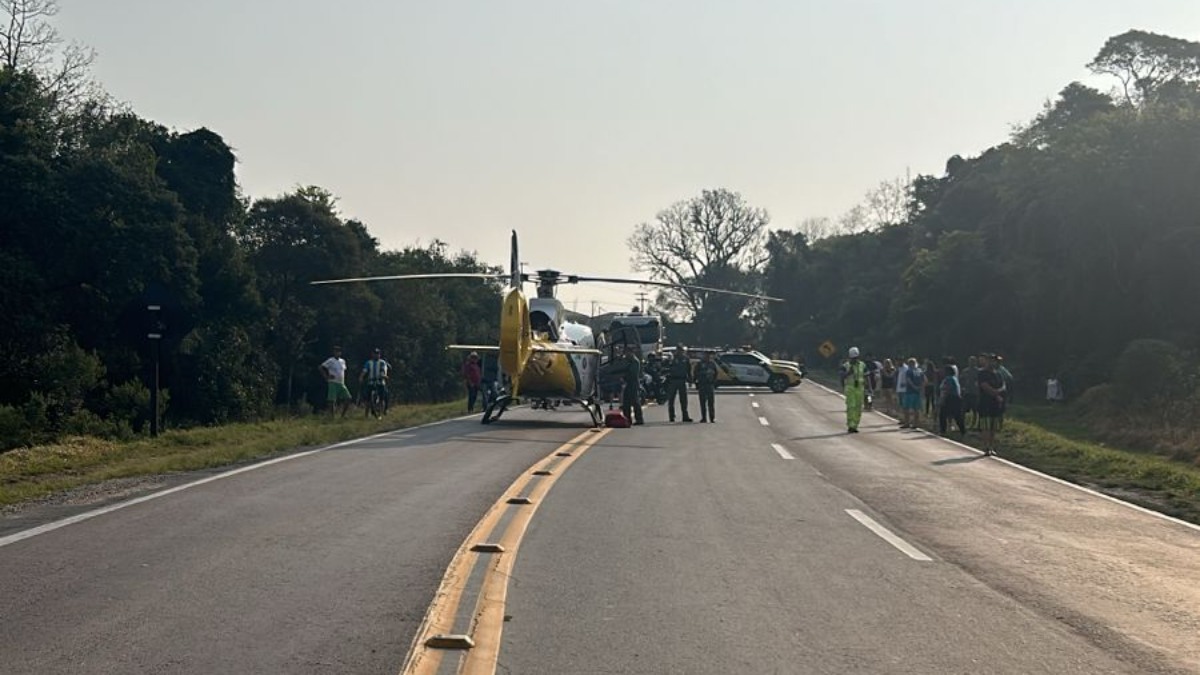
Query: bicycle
x=374, y=404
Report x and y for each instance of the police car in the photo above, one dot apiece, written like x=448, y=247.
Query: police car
x=749, y=368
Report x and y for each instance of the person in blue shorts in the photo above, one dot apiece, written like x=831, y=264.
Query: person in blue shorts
x=910, y=400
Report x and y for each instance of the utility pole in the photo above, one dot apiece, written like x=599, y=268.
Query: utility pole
x=155, y=336
x=641, y=296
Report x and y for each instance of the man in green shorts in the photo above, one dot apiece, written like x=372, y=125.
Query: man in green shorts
x=334, y=370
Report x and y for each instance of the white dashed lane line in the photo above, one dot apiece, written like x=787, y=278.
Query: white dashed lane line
x=888, y=536
x=763, y=421
x=782, y=451
x=754, y=404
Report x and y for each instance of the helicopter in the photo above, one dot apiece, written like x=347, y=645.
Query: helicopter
x=547, y=358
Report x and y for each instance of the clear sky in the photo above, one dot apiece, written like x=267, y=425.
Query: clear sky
x=573, y=121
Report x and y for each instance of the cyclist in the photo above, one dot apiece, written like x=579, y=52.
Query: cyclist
x=375, y=374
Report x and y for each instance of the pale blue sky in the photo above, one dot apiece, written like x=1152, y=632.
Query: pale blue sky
x=574, y=121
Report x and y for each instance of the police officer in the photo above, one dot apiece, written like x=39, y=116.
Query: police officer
x=854, y=379
x=706, y=384
x=679, y=375
x=631, y=394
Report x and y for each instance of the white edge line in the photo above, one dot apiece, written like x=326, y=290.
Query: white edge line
x=763, y=421
x=888, y=536
x=88, y=515
x=1035, y=472
x=782, y=451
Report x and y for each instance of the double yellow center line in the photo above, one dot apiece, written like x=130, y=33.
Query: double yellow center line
x=487, y=622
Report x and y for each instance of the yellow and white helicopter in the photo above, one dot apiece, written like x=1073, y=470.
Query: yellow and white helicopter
x=546, y=357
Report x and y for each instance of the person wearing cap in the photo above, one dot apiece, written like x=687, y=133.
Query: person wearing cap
x=631, y=387
x=679, y=375
x=854, y=380
x=706, y=387
x=334, y=371
x=374, y=374
x=472, y=375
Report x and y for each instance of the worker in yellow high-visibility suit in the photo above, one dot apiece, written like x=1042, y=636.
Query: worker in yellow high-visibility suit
x=854, y=379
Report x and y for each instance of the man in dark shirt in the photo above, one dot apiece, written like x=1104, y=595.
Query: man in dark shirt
x=679, y=375
x=706, y=385
x=991, y=401
x=631, y=394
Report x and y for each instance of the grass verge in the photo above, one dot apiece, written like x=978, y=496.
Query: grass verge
x=1047, y=439
x=30, y=473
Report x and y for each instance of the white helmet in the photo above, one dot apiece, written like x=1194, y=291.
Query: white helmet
x=854, y=352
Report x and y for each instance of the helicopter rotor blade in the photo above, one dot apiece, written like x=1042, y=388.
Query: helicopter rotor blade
x=403, y=277
x=667, y=284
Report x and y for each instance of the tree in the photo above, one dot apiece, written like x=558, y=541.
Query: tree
x=1144, y=62
x=1076, y=103
x=714, y=240
x=30, y=42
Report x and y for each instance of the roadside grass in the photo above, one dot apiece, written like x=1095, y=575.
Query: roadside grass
x=30, y=473
x=1149, y=480
x=1054, y=441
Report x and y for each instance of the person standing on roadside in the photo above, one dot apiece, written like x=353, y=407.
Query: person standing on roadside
x=991, y=402
x=334, y=371
x=910, y=401
x=901, y=390
x=854, y=382
x=472, y=373
x=887, y=384
x=931, y=390
x=679, y=375
x=968, y=381
x=950, y=405
x=631, y=389
x=375, y=374
x=706, y=386
x=1007, y=376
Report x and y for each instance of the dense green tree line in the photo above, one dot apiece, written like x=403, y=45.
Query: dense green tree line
x=103, y=213
x=1059, y=248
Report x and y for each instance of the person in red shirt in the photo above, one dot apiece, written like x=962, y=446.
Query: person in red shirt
x=472, y=375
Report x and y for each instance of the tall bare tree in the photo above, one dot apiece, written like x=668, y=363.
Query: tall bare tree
x=715, y=239
x=29, y=41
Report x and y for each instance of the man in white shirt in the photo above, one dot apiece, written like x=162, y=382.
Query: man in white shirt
x=334, y=370
x=901, y=387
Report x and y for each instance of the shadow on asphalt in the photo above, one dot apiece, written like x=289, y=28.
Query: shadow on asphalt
x=819, y=437
x=966, y=459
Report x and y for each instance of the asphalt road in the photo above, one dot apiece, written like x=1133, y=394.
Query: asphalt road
x=771, y=542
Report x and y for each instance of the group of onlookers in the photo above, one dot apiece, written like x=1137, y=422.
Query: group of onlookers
x=975, y=395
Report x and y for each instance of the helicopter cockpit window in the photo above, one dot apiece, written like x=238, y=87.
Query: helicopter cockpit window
x=541, y=323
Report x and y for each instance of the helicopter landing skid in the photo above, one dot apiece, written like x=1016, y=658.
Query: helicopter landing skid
x=593, y=409
x=496, y=408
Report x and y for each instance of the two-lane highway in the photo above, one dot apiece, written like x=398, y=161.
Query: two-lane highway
x=322, y=564
x=770, y=542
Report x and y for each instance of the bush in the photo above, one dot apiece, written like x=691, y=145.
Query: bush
x=14, y=430
x=1151, y=371
x=87, y=423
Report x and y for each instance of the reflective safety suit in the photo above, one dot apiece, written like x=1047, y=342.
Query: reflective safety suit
x=854, y=378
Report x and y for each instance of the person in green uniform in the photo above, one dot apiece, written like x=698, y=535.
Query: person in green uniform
x=679, y=376
x=854, y=375
x=631, y=394
x=706, y=385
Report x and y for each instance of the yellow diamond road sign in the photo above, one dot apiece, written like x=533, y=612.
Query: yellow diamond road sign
x=827, y=349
